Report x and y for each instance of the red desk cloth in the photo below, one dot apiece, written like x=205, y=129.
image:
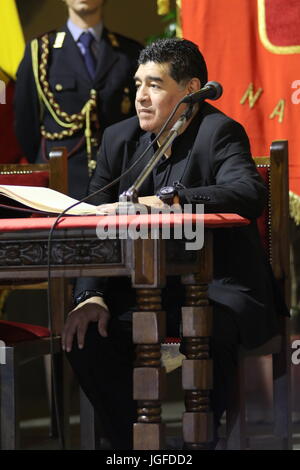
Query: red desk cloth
x=45, y=223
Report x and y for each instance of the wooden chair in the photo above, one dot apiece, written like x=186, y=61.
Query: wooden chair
x=21, y=342
x=274, y=229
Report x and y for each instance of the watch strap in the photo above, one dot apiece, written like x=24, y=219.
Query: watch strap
x=86, y=295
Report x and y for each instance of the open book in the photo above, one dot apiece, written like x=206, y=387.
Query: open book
x=44, y=200
x=53, y=202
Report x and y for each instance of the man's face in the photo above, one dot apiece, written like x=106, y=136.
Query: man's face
x=84, y=6
x=156, y=95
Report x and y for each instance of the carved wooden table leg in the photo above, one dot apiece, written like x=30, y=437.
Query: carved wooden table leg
x=149, y=376
x=197, y=368
x=148, y=332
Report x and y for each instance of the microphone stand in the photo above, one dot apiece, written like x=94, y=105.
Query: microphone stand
x=129, y=198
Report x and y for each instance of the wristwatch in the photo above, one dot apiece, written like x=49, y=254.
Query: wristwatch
x=86, y=294
x=168, y=194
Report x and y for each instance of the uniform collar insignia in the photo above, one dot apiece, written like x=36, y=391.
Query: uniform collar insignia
x=59, y=39
x=113, y=40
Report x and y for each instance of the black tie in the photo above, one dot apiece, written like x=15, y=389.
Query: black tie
x=86, y=39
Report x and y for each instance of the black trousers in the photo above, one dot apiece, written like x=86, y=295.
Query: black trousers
x=104, y=368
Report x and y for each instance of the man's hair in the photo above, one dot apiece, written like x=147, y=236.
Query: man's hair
x=183, y=56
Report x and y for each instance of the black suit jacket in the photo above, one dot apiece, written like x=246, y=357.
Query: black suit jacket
x=116, y=65
x=217, y=170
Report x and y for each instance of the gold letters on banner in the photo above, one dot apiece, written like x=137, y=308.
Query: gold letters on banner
x=278, y=111
x=249, y=94
x=253, y=97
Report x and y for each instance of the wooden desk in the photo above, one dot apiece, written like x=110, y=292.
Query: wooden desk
x=76, y=251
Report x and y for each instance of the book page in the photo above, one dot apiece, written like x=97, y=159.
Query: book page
x=46, y=199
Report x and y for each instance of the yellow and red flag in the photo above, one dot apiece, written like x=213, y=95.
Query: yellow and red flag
x=11, y=38
x=252, y=47
x=11, y=52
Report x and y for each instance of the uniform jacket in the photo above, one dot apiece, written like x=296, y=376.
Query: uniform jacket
x=217, y=170
x=71, y=85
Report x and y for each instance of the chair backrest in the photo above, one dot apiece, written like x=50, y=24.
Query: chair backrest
x=274, y=222
x=52, y=174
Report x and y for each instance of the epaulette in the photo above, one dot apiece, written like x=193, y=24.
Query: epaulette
x=113, y=39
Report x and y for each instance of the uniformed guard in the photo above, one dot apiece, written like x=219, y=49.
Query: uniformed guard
x=71, y=84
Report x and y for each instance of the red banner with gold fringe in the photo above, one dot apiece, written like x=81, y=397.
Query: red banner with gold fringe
x=252, y=47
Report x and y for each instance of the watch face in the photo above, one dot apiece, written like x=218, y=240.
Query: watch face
x=166, y=190
x=80, y=297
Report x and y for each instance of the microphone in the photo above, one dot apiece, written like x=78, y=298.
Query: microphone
x=212, y=91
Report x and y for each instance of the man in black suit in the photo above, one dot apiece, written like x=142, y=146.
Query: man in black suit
x=210, y=163
x=71, y=85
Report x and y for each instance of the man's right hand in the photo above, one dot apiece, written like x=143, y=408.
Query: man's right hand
x=91, y=310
